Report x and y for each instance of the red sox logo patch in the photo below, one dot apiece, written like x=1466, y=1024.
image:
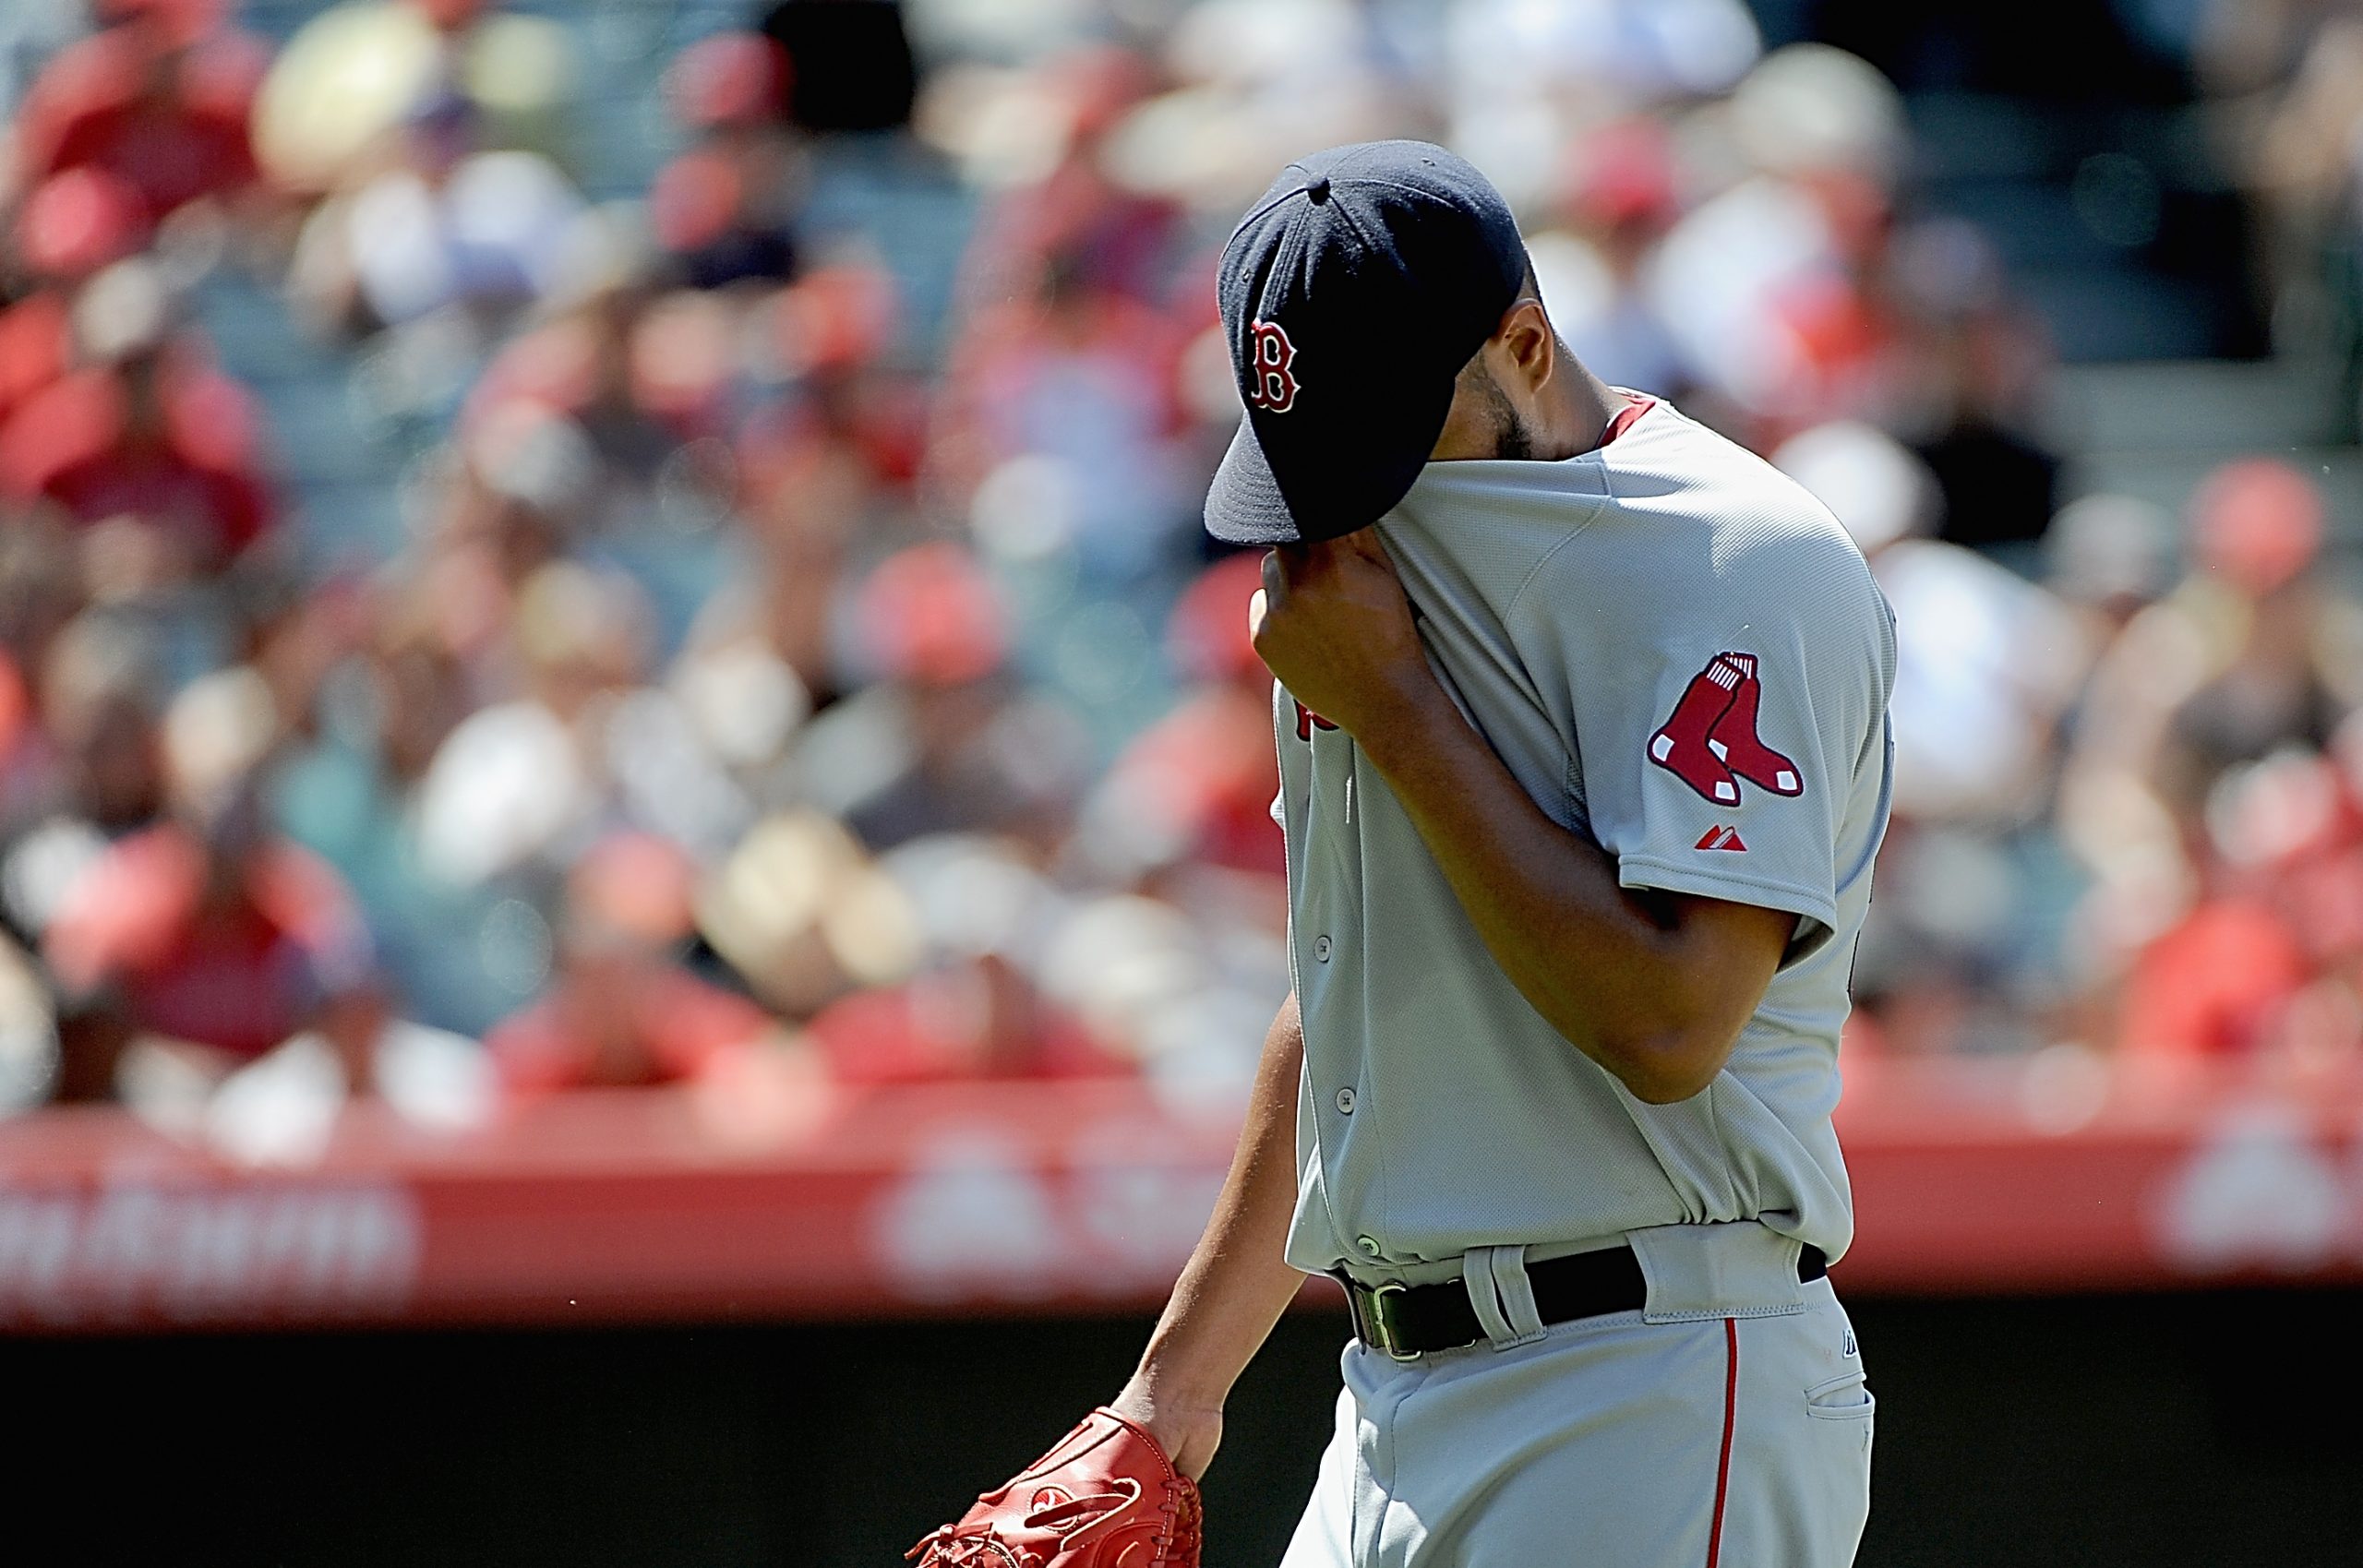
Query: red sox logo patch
x=1710, y=742
x=1274, y=386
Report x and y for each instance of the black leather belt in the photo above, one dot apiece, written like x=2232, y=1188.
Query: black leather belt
x=1405, y=1321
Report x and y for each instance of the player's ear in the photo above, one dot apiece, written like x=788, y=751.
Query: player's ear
x=1528, y=342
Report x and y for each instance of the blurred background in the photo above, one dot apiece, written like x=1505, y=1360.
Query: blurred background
x=635, y=901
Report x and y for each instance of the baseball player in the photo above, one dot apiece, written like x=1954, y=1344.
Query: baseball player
x=1582, y=720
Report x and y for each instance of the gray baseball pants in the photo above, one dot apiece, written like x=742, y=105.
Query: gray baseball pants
x=1724, y=1425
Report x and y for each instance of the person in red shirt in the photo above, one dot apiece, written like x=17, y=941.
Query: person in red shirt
x=2214, y=985
x=74, y=225
x=218, y=936
x=1196, y=787
x=1076, y=218
x=976, y=1005
x=978, y=1019
x=622, y=1012
x=967, y=746
x=36, y=347
x=725, y=209
x=618, y=1018
x=153, y=432
x=160, y=100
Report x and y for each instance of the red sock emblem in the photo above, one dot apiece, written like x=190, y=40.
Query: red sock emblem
x=1735, y=739
x=1710, y=741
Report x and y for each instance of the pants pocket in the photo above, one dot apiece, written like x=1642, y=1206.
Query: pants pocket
x=1842, y=1416
x=1846, y=1398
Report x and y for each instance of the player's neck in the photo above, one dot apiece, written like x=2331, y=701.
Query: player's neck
x=1569, y=416
x=1577, y=419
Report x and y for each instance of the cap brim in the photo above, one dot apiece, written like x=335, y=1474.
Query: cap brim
x=1244, y=504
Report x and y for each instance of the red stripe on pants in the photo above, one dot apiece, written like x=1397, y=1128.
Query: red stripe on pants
x=1730, y=1419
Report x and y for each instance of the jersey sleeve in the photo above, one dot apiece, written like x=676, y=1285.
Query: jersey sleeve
x=1721, y=718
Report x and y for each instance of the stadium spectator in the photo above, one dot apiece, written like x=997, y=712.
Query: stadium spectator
x=515, y=783
x=1767, y=285
x=2252, y=652
x=2111, y=557
x=725, y=209
x=456, y=955
x=588, y=364
x=72, y=226
x=829, y=464
x=974, y=1009
x=85, y=765
x=2219, y=980
x=1986, y=666
x=947, y=741
x=158, y=99
x=2210, y=705
x=447, y=228
x=1970, y=368
x=1086, y=376
x=1620, y=195
x=146, y=430
x=1076, y=219
x=1985, y=661
x=355, y=74
x=208, y=937
x=621, y=1011
x=1195, y=790
x=2290, y=78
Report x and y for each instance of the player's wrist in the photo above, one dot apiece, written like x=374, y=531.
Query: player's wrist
x=1178, y=1380
x=1187, y=1430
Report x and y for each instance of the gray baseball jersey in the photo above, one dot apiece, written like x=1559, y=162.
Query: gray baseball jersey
x=1680, y=655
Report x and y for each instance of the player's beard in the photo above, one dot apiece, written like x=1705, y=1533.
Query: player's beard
x=1512, y=439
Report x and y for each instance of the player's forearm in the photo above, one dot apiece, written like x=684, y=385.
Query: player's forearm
x=1624, y=979
x=1237, y=1282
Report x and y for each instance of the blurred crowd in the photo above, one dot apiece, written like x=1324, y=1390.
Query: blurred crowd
x=793, y=672
x=2282, y=80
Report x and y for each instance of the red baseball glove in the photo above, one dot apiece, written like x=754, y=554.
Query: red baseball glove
x=1104, y=1497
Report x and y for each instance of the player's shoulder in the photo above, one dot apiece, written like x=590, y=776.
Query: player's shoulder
x=1666, y=517
x=1690, y=512
x=1679, y=472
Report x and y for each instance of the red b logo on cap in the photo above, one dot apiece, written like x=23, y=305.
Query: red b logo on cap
x=1274, y=390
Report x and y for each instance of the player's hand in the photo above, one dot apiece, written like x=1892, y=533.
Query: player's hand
x=1188, y=1434
x=1332, y=623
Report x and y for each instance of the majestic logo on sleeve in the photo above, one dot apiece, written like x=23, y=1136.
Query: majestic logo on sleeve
x=1274, y=388
x=1710, y=742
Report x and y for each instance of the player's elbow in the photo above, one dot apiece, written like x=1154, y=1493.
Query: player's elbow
x=1663, y=1066
x=1672, y=1032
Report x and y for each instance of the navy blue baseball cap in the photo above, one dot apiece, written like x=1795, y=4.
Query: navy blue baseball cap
x=1352, y=293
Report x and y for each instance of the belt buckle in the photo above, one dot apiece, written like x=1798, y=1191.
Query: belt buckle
x=1371, y=1318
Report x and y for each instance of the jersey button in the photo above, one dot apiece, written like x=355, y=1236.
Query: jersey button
x=1346, y=1101
x=1321, y=949
x=1369, y=1244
